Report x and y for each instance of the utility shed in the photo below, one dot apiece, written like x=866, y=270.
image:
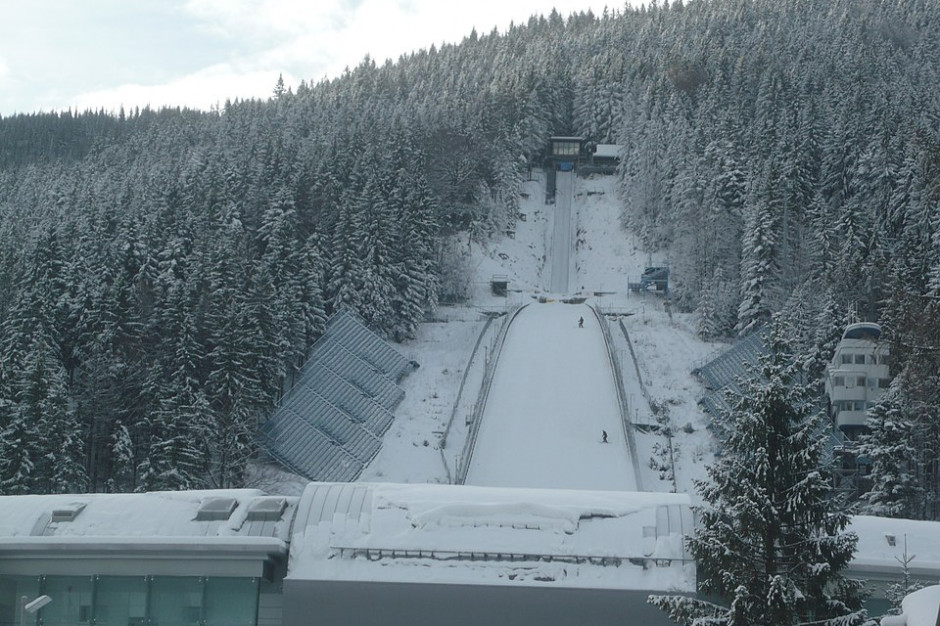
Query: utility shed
x=605, y=157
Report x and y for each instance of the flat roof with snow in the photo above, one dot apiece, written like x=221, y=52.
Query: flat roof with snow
x=882, y=542
x=232, y=532
x=607, y=151
x=468, y=535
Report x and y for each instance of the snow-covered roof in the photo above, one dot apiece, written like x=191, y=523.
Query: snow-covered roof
x=862, y=330
x=876, y=555
x=167, y=514
x=492, y=536
x=242, y=525
x=607, y=151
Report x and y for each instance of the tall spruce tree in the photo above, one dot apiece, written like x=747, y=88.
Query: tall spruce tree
x=896, y=454
x=772, y=544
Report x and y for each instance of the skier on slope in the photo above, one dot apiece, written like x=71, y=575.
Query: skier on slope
x=603, y=436
x=580, y=322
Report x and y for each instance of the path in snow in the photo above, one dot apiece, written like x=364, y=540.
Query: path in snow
x=552, y=395
x=561, y=237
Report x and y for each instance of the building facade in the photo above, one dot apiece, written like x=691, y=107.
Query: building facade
x=857, y=376
x=384, y=554
x=201, y=558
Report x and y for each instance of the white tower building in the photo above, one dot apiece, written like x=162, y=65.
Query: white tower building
x=856, y=378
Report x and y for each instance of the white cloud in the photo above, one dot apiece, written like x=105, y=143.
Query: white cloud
x=316, y=39
x=248, y=43
x=202, y=90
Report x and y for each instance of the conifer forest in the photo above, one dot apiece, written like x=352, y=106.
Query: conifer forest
x=163, y=272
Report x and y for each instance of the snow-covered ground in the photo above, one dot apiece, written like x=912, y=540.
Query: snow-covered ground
x=425, y=442
x=552, y=397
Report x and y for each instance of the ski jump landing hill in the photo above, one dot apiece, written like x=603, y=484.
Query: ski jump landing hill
x=553, y=413
x=544, y=424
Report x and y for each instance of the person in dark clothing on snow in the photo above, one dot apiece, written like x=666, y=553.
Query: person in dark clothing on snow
x=603, y=436
x=580, y=322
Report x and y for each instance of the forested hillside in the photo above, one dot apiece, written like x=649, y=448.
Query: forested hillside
x=163, y=272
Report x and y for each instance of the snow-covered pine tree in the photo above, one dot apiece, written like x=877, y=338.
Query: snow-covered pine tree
x=772, y=544
x=415, y=274
x=896, y=592
x=759, y=258
x=234, y=364
x=375, y=258
x=344, y=272
x=176, y=454
x=311, y=295
x=62, y=447
x=123, y=477
x=896, y=488
x=914, y=321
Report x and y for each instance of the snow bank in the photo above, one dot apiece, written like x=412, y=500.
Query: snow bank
x=921, y=608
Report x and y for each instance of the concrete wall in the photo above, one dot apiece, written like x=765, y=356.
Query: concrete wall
x=316, y=603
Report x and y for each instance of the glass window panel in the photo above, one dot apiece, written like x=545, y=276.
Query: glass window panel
x=12, y=588
x=121, y=601
x=176, y=601
x=860, y=359
x=231, y=601
x=846, y=358
x=71, y=600
x=567, y=148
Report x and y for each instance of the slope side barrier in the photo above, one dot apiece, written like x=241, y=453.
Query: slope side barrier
x=463, y=466
x=621, y=396
x=463, y=382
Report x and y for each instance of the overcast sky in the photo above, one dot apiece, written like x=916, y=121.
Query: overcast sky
x=57, y=54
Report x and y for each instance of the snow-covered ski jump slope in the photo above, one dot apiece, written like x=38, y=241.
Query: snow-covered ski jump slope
x=551, y=398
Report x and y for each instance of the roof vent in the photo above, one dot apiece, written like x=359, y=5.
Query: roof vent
x=67, y=512
x=216, y=509
x=266, y=509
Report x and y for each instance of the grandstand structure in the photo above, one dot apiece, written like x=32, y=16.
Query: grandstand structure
x=724, y=373
x=329, y=425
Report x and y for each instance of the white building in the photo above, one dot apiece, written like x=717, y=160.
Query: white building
x=192, y=558
x=884, y=545
x=342, y=553
x=388, y=554
x=856, y=378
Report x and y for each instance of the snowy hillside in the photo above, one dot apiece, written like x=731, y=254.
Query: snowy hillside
x=604, y=258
